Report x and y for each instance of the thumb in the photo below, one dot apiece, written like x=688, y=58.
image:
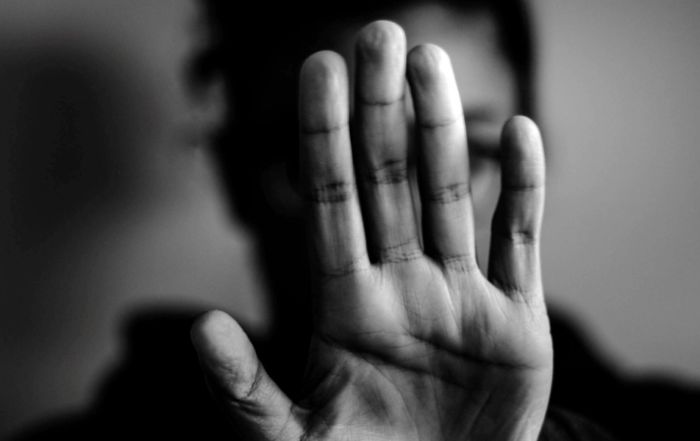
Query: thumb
x=238, y=381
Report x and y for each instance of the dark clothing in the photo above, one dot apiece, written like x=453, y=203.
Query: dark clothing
x=630, y=408
x=158, y=391
x=561, y=425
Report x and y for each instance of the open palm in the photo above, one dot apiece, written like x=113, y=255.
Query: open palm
x=411, y=341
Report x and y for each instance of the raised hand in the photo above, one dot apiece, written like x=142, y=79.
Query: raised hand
x=411, y=340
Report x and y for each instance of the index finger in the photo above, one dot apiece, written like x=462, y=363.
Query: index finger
x=327, y=175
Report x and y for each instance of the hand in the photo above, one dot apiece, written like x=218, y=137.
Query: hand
x=411, y=341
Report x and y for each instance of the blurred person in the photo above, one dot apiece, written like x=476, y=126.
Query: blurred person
x=410, y=340
x=497, y=82
x=495, y=77
x=262, y=93
x=490, y=44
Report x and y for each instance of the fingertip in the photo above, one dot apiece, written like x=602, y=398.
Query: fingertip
x=323, y=90
x=521, y=121
x=379, y=38
x=433, y=86
x=211, y=323
x=216, y=336
x=381, y=63
x=523, y=160
x=236, y=378
x=427, y=61
x=522, y=136
x=323, y=68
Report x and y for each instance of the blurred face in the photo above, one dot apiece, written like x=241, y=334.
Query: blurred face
x=486, y=83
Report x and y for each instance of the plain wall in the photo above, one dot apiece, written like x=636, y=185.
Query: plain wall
x=620, y=98
x=109, y=203
x=134, y=215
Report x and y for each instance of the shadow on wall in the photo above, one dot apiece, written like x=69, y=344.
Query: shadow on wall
x=72, y=136
x=70, y=131
x=106, y=200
